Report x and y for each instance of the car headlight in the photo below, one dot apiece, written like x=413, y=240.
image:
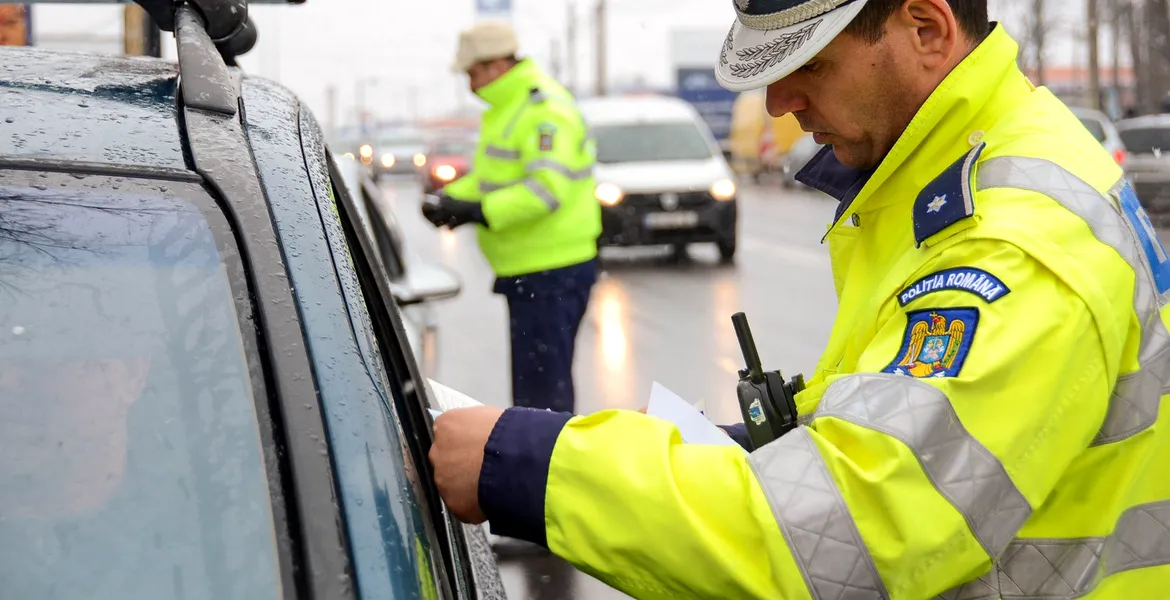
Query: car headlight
x=608, y=194
x=445, y=172
x=366, y=151
x=420, y=160
x=350, y=156
x=724, y=189
x=388, y=160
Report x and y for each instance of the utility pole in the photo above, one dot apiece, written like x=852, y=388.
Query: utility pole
x=599, y=28
x=1093, y=35
x=554, y=59
x=331, y=109
x=571, y=52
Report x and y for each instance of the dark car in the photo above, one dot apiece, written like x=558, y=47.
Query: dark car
x=1147, y=142
x=448, y=160
x=206, y=389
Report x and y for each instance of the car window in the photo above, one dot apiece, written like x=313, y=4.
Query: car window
x=1095, y=127
x=651, y=142
x=377, y=216
x=385, y=353
x=1145, y=140
x=131, y=456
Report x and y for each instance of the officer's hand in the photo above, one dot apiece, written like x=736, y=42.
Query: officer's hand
x=461, y=212
x=457, y=456
x=433, y=211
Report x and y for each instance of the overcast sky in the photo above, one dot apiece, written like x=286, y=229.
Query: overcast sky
x=401, y=51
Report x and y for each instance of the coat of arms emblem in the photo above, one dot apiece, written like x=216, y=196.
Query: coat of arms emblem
x=936, y=343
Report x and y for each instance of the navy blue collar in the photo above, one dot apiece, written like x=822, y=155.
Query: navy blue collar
x=826, y=174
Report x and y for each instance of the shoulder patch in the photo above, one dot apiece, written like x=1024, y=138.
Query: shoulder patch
x=547, y=132
x=936, y=342
x=965, y=279
x=1147, y=236
x=536, y=96
x=948, y=199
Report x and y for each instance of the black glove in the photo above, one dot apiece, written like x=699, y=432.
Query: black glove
x=453, y=213
x=434, y=212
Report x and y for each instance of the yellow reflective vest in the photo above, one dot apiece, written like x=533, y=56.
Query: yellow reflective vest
x=983, y=424
x=533, y=174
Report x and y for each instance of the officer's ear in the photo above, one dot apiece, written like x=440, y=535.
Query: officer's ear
x=934, y=33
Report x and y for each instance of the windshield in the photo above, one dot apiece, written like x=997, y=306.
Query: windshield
x=1145, y=140
x=651, y=142
x=132, y=464
x=1095, y=127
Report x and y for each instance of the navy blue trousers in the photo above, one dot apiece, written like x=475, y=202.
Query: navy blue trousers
x=545, y=310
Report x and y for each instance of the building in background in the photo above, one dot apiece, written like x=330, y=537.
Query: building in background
x=15, y=25
x=693, y=53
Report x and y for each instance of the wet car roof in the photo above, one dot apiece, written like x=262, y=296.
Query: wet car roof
x=65, y=106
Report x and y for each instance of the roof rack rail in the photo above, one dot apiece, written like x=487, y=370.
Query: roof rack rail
x=205, y=81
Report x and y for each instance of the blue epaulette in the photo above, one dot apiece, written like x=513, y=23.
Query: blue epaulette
x=948, y=199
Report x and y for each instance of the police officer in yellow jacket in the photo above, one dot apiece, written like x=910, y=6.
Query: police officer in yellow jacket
x=531, y=193
x=985, y=421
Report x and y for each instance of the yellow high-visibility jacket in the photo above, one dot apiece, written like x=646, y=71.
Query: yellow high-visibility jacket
x=984, y=422
x=533, y=175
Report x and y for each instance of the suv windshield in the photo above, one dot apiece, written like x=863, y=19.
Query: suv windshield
x=131, y=463
x=651, y=142
x=1144, y=140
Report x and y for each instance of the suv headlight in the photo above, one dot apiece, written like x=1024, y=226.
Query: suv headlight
x=724, y=189
x=608, y=194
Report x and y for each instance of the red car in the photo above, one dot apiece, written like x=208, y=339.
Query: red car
x=447, y=160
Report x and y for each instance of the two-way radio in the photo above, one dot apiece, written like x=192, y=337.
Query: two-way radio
x=767, y=403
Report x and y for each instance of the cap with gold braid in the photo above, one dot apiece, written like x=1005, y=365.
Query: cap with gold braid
x=772, y=38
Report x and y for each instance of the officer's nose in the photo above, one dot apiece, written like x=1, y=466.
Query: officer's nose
x=784, y=97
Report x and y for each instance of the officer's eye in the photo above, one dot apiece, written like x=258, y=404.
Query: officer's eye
x=811, y=66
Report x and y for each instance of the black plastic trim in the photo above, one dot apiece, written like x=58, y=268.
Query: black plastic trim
x=222, y=155
x=94, y=168
x=203, y=77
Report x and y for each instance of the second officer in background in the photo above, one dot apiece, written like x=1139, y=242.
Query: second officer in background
x=531, y=194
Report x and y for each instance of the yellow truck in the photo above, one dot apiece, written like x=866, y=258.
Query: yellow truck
x=758, y=141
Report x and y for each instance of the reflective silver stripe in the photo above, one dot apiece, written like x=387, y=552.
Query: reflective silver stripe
x=542, y=192
x=961, y=469
x=498, y=152
x=486, y=187
x=1133, y=406
x=1055, y=569
x=552, y=165
x=814, y=520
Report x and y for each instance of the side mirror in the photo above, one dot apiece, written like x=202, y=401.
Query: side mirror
x=426, y=283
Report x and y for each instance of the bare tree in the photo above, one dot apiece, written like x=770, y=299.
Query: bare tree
x=1093, y=39
x=1156, y=19
x=1038, y=27
x=1136, y=37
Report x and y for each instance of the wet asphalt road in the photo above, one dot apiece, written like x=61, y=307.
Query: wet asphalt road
x=651, y=318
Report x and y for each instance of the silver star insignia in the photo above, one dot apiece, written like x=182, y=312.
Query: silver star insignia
x=936, y=204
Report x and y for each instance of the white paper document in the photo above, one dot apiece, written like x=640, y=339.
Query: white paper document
x=448, y=398
x=692, y=424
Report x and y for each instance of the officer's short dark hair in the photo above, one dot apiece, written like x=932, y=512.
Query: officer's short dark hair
x=870, y=23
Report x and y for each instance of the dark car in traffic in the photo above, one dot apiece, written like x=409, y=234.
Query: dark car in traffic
x=206, y=387
x=1147, y=144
